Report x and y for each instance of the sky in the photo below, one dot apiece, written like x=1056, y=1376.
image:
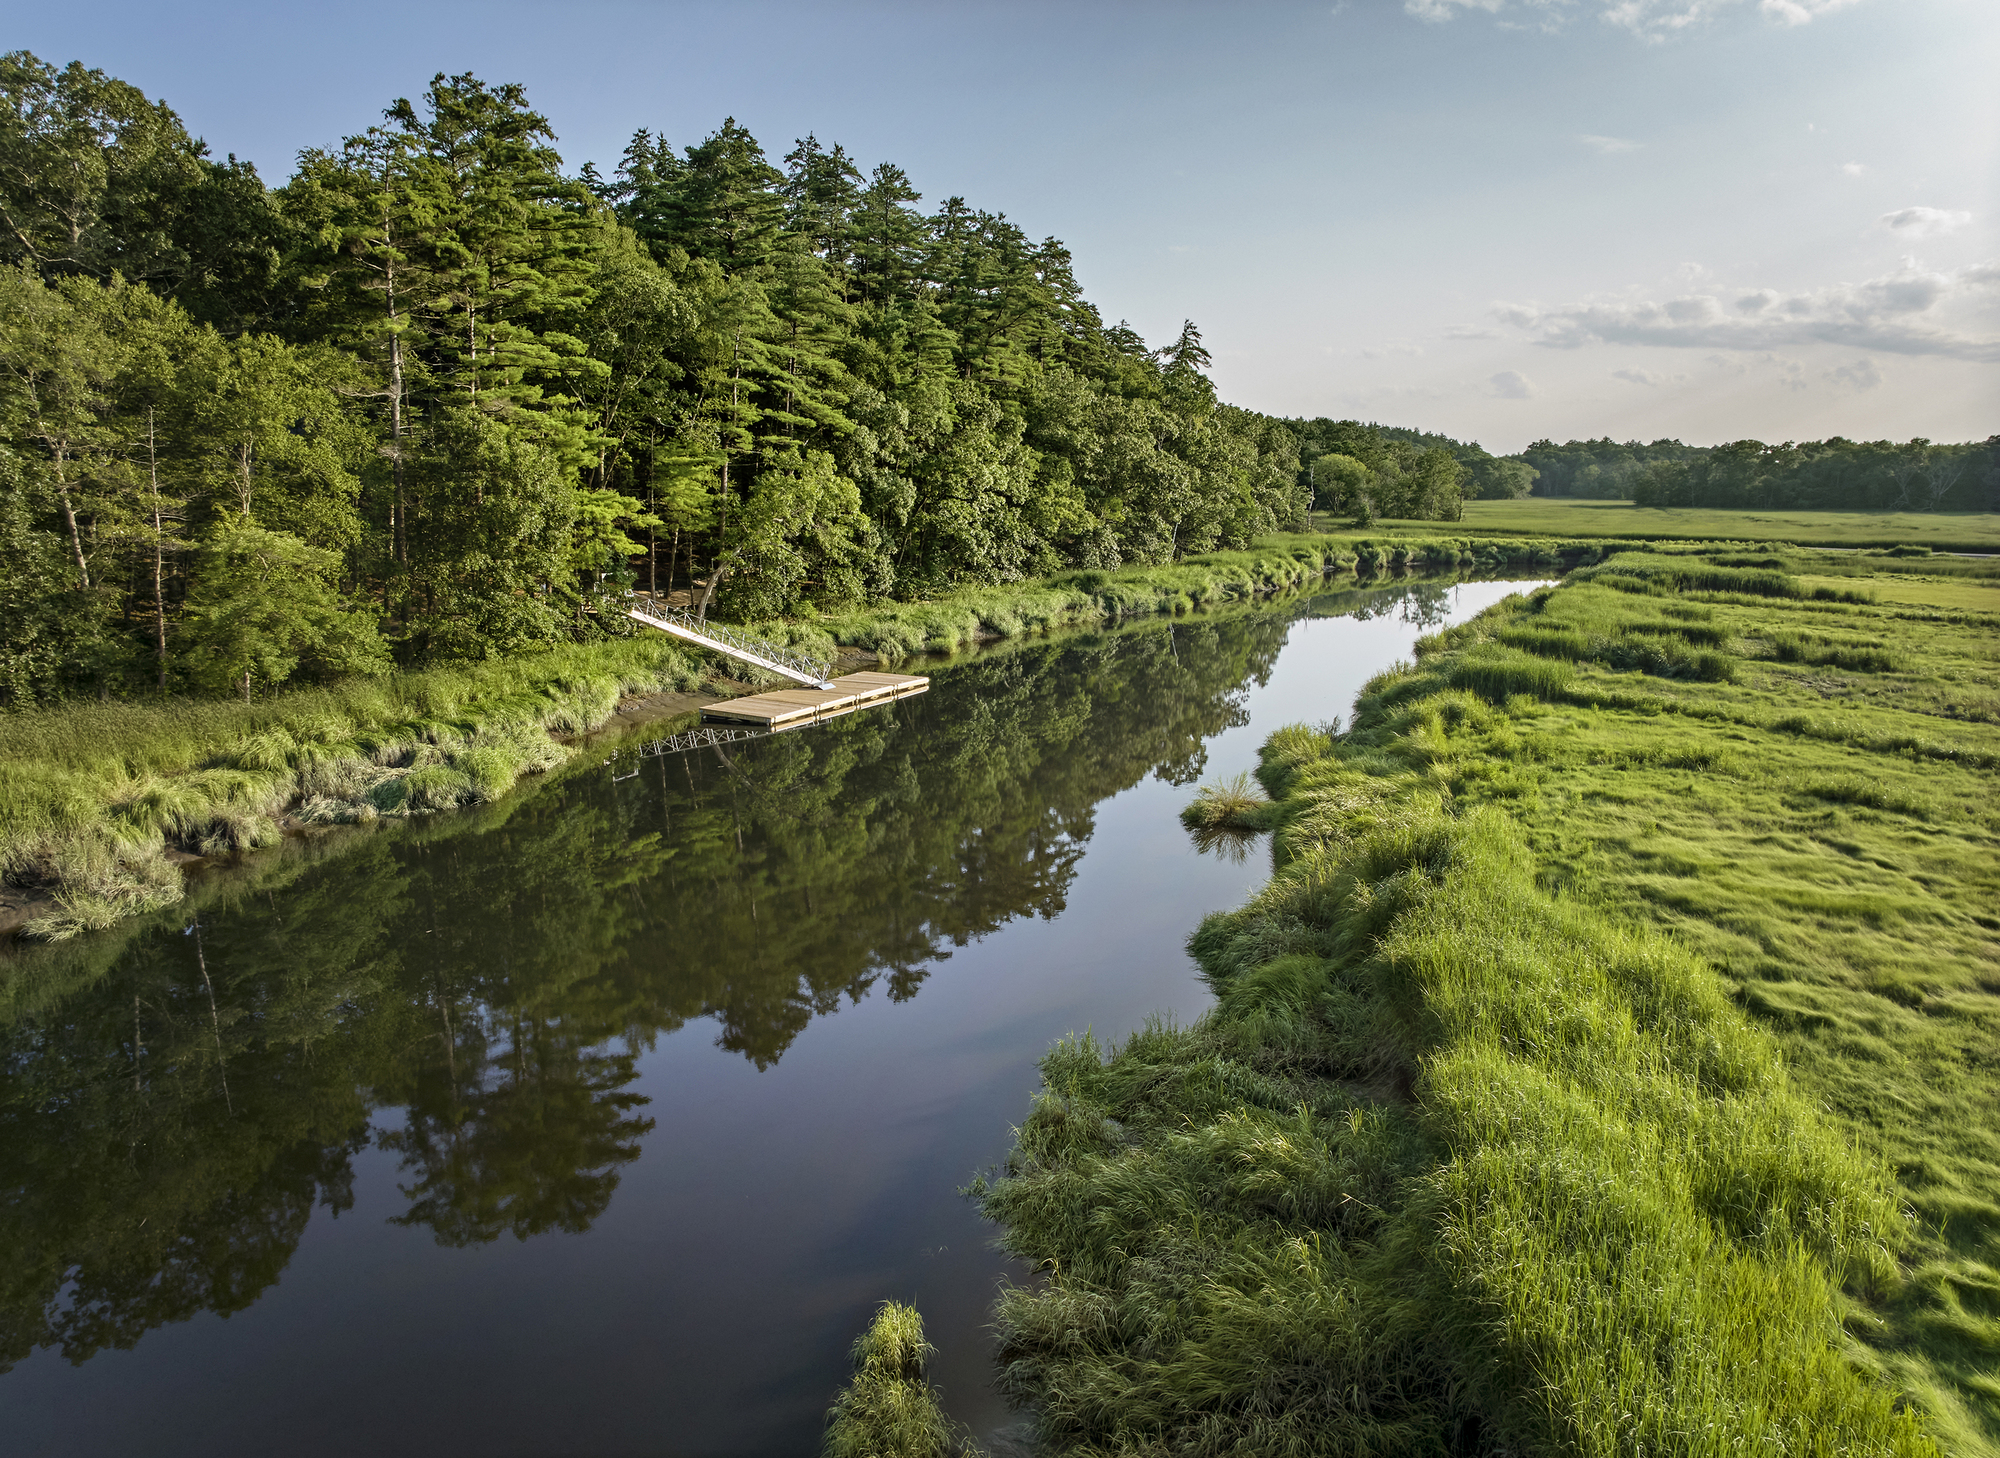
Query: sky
x=1501, y=220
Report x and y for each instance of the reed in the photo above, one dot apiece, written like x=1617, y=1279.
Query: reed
x=890, y=1409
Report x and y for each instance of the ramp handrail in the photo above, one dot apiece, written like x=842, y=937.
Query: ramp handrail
x=802, y=668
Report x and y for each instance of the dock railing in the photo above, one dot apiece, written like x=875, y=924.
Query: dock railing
x=801, y=668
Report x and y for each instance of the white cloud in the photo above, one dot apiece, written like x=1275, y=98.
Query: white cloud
x=1651, y=20
x=1798, y=12
x=1923, y=222
x=1649, y=378
x=1893, y=314
x=1854, y=169
x=1607, y=146
x=1440, y=10
x=1512, y=385
x=1863, y=374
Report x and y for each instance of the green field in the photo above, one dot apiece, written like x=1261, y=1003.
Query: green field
x=1612, y=1064
x=1941, y=531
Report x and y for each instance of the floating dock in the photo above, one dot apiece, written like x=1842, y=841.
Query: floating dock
x=796, y=708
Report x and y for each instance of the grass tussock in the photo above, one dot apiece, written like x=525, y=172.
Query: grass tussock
x=95, y=799
x=1599, y=1073
x=890, y=1409
x=1232, y=804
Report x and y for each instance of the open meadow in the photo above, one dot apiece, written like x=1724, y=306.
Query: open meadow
x=1542, y=516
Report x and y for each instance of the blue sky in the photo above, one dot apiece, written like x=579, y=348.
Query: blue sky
x=1500, y=219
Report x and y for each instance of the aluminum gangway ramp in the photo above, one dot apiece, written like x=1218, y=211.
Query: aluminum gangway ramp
x=800, y=668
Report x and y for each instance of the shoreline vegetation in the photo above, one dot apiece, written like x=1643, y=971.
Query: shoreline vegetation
x=1607, y=1066
x=103, y=804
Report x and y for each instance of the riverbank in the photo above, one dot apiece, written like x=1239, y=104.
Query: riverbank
x=104, y=805
x=1607, y=1066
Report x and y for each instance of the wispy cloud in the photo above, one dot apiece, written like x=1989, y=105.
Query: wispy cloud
x=1922, y=222
x=1513, y=385
x=1893, y=314
x=1651, y=20
x=1648, y=378
x=1854, y=169
x=1607, y=146
x=1863, y=374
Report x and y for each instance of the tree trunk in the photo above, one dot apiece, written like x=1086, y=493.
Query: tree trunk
x=398, y=526
x=69, y=519
x=722, y=519
x=159, y=553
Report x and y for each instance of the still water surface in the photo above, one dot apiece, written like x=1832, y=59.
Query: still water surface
x=596, y=1122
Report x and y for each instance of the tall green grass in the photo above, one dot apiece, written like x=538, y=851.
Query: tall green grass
x=1450, y=1162
x=890, y=1409
x=1564, y=1088
x=96, y=798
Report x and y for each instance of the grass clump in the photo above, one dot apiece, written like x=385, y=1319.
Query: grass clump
x=1231, y=804
x=1600, y=1071
x=890, y=1409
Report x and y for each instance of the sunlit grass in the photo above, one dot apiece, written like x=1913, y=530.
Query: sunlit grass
x=1608, y=1066
x=890, y=1409
x=94, y=796
x=1942, y=531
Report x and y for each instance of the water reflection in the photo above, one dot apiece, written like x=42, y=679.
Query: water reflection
x=472, y=994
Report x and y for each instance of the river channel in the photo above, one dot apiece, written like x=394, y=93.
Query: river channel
x=596, y=1121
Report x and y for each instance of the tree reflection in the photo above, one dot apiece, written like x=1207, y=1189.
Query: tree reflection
x=473, y=993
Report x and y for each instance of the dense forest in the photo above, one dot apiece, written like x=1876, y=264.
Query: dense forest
x=434, y=397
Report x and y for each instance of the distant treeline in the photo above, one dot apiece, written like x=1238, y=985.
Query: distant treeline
x=1373, y=470
x=1828, y=475
x=1395, y=472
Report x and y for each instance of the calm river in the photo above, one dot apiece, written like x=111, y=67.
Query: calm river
x=597, y=1121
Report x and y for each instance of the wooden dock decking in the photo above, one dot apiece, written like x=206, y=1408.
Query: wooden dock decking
x=796, y=708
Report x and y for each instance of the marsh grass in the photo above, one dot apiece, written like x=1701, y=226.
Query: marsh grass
x=95, y=797
x=1606, y=1068
x=890, y=1409
x=1232, y=804
x=1919, y=531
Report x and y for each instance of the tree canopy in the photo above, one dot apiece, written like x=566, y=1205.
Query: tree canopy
x=463, y=393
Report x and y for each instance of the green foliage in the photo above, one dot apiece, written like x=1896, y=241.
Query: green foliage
x=1600, y=1069
x=263, y=604
x=889, y=1410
